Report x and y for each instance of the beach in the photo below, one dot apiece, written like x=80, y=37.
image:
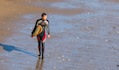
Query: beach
x=84, y=35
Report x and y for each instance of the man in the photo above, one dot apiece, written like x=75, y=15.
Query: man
x=42, y=36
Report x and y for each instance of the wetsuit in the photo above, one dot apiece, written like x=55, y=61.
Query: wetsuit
x=42, y=36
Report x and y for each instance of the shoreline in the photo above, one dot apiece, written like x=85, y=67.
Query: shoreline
x=17, y=9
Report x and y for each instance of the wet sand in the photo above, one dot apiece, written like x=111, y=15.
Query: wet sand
x=84, y=35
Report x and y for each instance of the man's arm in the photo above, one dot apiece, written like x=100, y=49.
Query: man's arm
x=36, y=24
x=48, y=28
x=34, y=27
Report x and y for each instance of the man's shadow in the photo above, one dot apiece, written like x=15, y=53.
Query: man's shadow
x=10, y=48
x=39, y=65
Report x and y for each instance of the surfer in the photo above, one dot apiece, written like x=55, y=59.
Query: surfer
x=42, y=36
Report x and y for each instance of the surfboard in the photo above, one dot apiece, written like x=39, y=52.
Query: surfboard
x=38, y=30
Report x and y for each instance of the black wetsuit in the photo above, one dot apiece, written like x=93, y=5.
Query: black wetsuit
x=42, y=36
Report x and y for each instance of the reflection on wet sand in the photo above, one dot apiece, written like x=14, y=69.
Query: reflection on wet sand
x=39, y=65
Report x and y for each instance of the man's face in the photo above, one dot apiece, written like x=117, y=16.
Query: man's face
x=44, y=17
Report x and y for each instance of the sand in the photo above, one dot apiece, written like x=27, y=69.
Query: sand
x=84, y=35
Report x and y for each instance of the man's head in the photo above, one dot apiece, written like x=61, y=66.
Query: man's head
x=44, y=16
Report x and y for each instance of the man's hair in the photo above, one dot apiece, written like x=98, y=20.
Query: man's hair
x=43, y=14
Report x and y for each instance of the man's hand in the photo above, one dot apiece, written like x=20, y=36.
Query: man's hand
x=32, y=36
x=49, y=36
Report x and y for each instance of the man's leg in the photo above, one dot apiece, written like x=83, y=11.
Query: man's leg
x=43, y=44
x=39, y=44
x=43, y=49
x=39, y=48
